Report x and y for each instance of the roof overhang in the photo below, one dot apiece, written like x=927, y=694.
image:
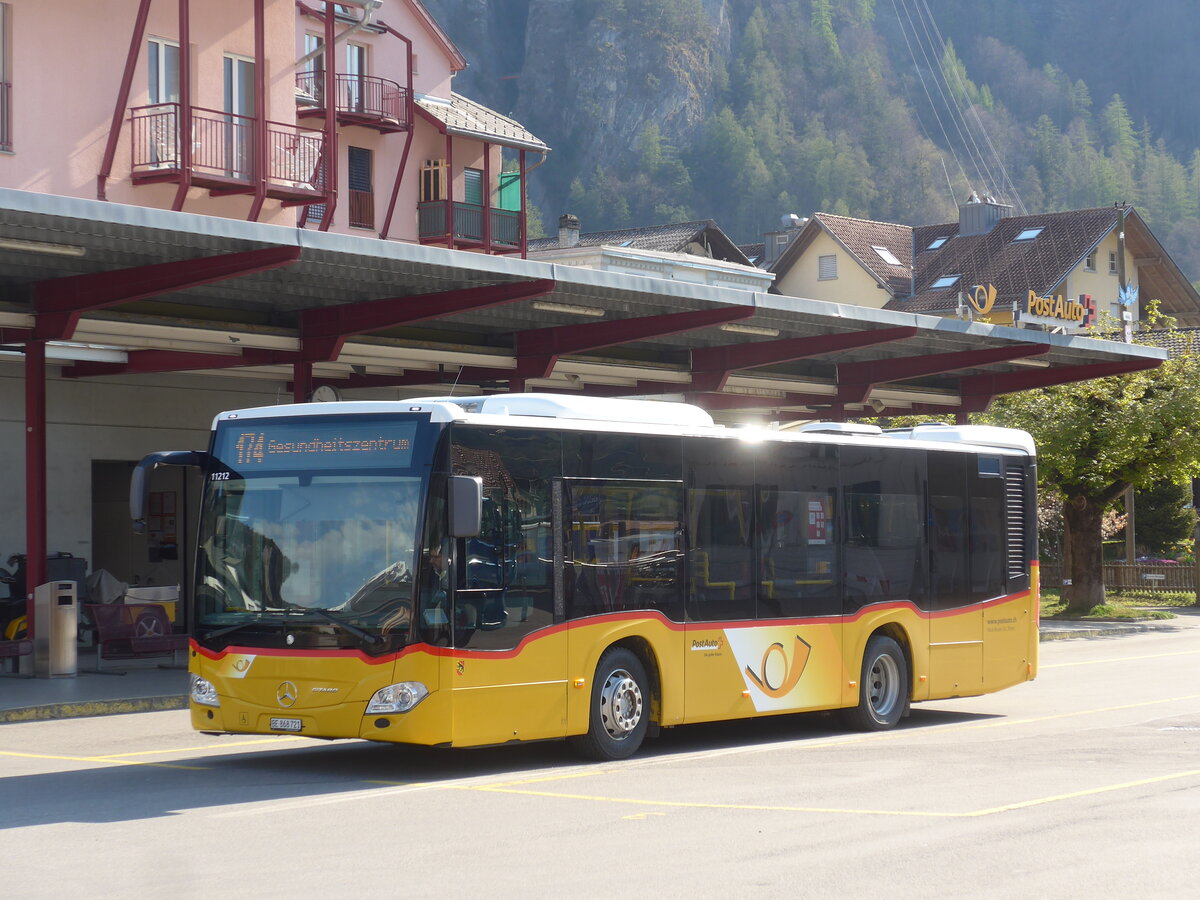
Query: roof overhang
x=369, y=313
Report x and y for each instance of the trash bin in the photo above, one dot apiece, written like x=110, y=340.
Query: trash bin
x=55, y=629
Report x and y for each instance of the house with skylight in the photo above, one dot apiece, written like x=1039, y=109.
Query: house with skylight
x=1060, y=271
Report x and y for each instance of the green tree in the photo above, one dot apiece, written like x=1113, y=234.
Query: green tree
x=1096, y=439
x=1162, y=517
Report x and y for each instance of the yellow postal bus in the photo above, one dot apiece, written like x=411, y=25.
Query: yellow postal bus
x=472, y=571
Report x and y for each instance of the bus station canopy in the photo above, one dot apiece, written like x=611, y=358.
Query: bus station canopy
x=108, y=289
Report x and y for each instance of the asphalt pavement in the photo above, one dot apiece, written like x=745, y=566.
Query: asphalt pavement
x=156, y=684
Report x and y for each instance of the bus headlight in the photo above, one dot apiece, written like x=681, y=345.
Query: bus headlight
x=397, y=698
x=203, y=692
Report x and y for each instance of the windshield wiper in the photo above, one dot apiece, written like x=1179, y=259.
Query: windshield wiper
x=230, y=629
x=373, y=640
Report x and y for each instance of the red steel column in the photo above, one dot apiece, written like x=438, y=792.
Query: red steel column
x=185, y=105
x=487, y=197
x=118, y=117
x=449, y=191
x=331, y=142
x=35, y=472
x=301, y=381
x=261, y=157
x=521, y=224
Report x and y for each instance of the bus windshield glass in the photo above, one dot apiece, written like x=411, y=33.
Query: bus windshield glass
x=308, y=533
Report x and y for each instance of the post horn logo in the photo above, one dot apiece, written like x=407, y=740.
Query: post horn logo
x=780, y=687
x=982, y=298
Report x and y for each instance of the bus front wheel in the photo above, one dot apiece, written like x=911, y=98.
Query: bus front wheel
x=883, y=688
x=620, y=708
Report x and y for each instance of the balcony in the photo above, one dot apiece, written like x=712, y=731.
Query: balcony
x=361, y=100
x=5, y=115
x=437, y=220
x=224, y=151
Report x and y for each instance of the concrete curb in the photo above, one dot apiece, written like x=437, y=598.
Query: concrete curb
x=1100, y=630
x=78, y=709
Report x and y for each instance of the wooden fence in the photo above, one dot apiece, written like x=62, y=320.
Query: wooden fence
x=1139, y=576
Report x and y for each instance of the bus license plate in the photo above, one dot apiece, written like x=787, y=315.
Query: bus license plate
x=286, y=724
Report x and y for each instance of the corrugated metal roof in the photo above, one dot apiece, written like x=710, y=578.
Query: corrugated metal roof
x=465, y=117
x=670, y=238
x=336, y=269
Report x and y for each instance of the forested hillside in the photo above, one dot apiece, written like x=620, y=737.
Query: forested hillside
x=743, y=110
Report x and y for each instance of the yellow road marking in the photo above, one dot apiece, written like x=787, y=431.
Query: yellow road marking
x=1115, y=659
x=274, y=740
x=828, y=810
x=98, y=759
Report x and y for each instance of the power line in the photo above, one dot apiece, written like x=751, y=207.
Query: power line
x=1006, y=181
x=933, y=106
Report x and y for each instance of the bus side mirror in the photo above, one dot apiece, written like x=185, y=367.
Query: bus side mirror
x=466, y=505
x=139, y=483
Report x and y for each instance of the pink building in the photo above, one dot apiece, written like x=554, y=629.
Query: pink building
x=220, y=108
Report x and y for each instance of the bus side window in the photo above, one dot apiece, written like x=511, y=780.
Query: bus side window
x=721, y=556
x=884, y=557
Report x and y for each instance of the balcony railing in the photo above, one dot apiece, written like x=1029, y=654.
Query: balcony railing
x=5, y=115
x=224, y=151
x=437, y=219
x=361, y=100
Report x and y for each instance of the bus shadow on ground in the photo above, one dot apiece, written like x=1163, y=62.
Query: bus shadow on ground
x=171, y=784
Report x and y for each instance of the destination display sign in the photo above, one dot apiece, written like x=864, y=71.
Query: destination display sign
x=294, y=446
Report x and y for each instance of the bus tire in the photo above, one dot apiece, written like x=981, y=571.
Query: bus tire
x=883, y=687
x=620, y=708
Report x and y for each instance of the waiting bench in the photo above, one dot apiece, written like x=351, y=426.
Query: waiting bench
x=14, y=649
x=133, y=631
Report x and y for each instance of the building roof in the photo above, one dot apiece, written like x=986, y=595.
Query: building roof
x=859, y=237
x=997, y=258
x=754, y=252
x=673, y=238
x=1040, y=264
x=248, y=297
x=994, y=257
x=466, y=118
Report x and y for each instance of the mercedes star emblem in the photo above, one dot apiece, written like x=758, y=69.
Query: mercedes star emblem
x=286, y=694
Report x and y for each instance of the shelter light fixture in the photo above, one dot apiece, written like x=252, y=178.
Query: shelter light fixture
x=569, y=309
x=41, y=247
x=738, y=328
x=1032, y=363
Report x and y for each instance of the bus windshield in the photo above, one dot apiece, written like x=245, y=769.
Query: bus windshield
x=308, y=534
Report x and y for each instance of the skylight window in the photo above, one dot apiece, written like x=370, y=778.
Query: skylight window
x=946, y=281
x=937, y=242
x=1028, y=234
x=886, y=255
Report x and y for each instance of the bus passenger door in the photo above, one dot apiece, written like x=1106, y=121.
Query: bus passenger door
x=956, y=619
x=508, y=666
x=623, y=581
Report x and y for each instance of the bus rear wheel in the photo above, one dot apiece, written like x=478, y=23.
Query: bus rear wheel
x=883, y=687
x=620, y=708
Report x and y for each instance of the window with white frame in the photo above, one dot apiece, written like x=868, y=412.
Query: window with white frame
x=936, y=243
x=356, y=69
x=1089, y=264
x=163, y=67
x=886, y=255
x=827, y=267
x=1112, y=262
x=945, y=282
